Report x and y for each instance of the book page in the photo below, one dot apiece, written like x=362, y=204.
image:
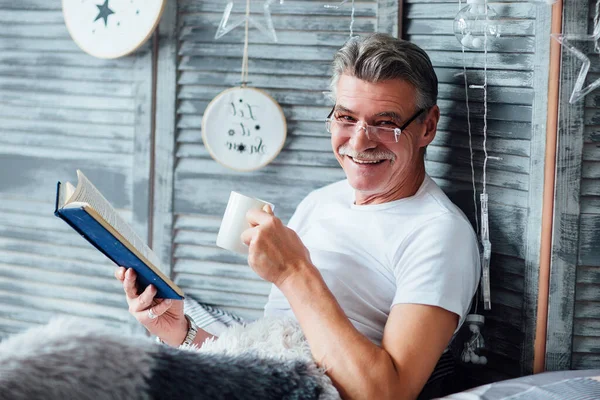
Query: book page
x=86, y=192
x=69, y=190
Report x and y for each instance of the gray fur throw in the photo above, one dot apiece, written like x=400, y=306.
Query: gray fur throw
x=74, y=359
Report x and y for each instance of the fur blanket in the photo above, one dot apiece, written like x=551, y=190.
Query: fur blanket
x=72, y=359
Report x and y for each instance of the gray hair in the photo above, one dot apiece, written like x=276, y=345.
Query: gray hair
x=379, y=57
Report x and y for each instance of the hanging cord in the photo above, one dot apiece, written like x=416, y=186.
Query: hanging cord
x=596, y=22
x=352, y=19
x=469, y=129
x=485, y=233
x=470, y=140
x=470, y=133
x=339, y=5
x=485, y=105
x=244, y=77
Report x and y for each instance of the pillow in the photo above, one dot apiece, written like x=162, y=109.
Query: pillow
x=563, y=385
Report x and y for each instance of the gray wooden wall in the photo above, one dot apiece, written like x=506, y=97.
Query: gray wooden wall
x=574, y=327
x=60, y=110
x=517, y=87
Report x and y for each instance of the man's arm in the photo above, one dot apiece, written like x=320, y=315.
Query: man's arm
x=415, y=337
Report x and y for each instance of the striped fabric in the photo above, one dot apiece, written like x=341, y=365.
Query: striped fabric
x=212, y=320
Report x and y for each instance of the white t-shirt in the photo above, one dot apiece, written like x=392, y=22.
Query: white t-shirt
x=419, y=250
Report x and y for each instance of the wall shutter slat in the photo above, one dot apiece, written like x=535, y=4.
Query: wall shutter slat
x=586, y=336
x=60, y=110
x=572, y=340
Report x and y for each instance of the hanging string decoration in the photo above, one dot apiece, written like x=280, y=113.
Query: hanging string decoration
x=352, y=12
x=484, y=232
x=475, y=21
x=244, y=128
x=474, y=348
x=110, y=28
x=483, y=228
x=265, y=26
x=581, y=90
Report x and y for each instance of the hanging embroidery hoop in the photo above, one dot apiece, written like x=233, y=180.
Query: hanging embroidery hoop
x=243, y=128
x=114, y=32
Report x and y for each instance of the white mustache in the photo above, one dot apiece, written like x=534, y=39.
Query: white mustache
x=371, y=155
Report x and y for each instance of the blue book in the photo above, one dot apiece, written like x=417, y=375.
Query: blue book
x=93, y=217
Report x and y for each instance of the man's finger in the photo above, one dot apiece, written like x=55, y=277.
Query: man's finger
x=144, y=300
x=258, y=217
x=247, y=236
x=120, y=273
x=158, y=309
x=129, y=284
x=267, y=208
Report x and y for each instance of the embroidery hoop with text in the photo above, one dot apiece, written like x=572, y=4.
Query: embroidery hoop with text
x=221, y=135
x=106, y=39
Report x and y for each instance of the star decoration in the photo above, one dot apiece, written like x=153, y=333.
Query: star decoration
x=104, y=12
x=241, y=147
x=579, y=91
x=226, y=26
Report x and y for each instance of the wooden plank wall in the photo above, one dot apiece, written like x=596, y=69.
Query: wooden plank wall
x=61, y=109
x=295, y=71
x=586, y=322
x=517, y=79
x=567, y=202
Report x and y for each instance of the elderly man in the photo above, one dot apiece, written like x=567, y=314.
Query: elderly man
x=378, y=269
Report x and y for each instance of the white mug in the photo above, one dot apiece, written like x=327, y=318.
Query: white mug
x=234, y=221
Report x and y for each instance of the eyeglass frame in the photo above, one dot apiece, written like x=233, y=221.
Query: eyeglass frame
x=397, y=131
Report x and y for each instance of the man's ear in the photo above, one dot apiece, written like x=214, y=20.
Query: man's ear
x=430, y=123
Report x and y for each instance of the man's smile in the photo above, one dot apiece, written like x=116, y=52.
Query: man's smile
x=366, y=162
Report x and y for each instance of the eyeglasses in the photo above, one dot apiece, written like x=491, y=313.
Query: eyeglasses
x=380, y=134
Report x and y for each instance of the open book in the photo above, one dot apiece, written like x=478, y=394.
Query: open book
x=91, y=215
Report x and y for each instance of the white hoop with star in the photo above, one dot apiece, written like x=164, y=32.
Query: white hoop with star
x=243, y=128
x=111, y=28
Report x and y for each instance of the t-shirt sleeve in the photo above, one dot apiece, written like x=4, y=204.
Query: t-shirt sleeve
x=438, y=265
